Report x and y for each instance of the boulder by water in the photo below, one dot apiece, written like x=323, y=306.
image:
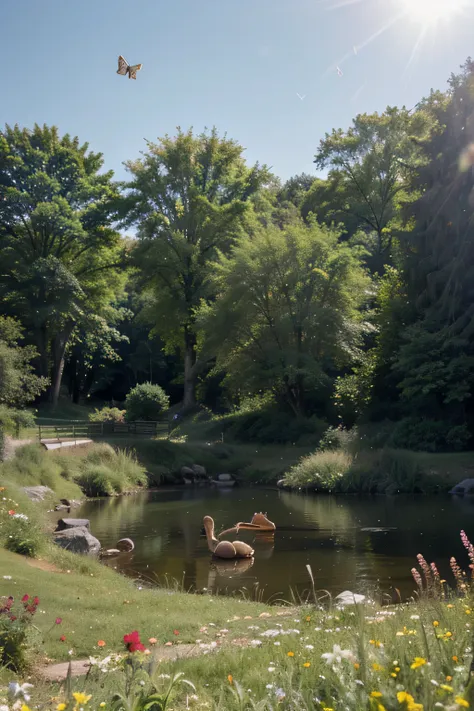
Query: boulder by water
x=37, y=493
x=77, y=540
x=224, y=477
x=349, y=598
x=198, y=470
x=65, y=523
x=464, y=488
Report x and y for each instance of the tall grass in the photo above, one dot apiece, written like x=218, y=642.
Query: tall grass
x=320, y=471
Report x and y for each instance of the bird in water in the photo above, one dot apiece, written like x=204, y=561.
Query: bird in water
x=259, y=522
x=225, y=549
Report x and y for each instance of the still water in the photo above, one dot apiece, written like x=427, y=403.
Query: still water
x=325, y=531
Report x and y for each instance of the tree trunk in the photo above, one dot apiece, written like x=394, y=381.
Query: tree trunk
x=189, y=395
x=59, y=351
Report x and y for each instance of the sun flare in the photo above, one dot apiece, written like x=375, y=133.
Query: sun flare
x=429, y=11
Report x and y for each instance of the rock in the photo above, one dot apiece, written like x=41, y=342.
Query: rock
x=110, y=552
x=65, y=523
x=37, y=493
x=224, y=477
x=349, y=598
x=77, y=540
x=198, y=470
x=62, y=507
x=187, y=472
x=464, y=488
x=65, y=502
x=126, y=544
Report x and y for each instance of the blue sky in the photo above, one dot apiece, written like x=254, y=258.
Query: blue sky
x=236, y=64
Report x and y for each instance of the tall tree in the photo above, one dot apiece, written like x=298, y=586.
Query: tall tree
x=18, y=383
x=60, y=252
x=190, y=197
x=288, y=312
x=369, y=165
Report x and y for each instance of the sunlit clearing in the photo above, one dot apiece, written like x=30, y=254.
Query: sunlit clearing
x=429, y=11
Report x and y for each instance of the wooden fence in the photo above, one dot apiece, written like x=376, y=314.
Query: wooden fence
x=78, y=429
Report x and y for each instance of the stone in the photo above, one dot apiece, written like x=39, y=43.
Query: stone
x=464, y=488
x=187, y=472
x=37, y=493
x=77, y=540
x=224, y=477
x=349, y=598
x=126, y=544
x=62, y=507
x=65, y=523
x=198, y=470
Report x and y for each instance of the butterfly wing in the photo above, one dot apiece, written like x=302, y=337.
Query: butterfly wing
x=132, y=71
x=122, y=66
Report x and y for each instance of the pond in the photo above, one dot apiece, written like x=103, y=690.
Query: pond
x=329, y=533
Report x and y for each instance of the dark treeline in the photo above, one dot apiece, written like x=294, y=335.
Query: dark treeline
x=337, y=301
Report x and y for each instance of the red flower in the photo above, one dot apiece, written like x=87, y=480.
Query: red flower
x=133, y=643
x=58, y=620
x=176, y=632
x=25, y=598
x=62, y=638
x=13, y=618
x=36, y=601
x=11, y=512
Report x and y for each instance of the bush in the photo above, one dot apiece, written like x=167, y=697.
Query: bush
x=429, y=435
x=321, y=471
x=15, y=623
x=338, y=438
x=12, y=421
x=146, y=402
x=108, y=414
x=105, y=471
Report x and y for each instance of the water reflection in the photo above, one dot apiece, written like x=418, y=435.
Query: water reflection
x=350, y=542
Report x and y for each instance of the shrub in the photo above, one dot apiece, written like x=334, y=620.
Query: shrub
x=15, y=623
x=146, y=402
x=105, y=471
x=338, y=438
x=12, y=421
x=321, y=471
x=107, y=414
x=429, y=435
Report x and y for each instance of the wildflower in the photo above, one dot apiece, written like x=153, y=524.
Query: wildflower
x=376, y=694
x=58, y=620
x=101, y=643
x=153, y=640
x=230, y=678
x=418, y=662
x=375, y=643
x=461, y=702
x=356, y=666
x=11, y=512
x=450, y=607
x=309, y=646
x=376, y=667
x=308, y=618
x=81, y=698
x=133, y=643
x=25, y=598
x=435, y=623
x=255, y=642
x=62, y=638
x=449, y=678
x=415, y=617
x=19, y=690
x=291, y=654
x=445, y=687
x=102, y=704
x=337, y=655
x=307, y=665
x=455, y=659
x=61, y=706
x=176, y=632
x=327, y=708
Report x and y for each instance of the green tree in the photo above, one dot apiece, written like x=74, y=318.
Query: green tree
x=190, y=197
x=146, y=402
x=288, y=314
x=369, y=165
x=60, y=253
x=18, y=383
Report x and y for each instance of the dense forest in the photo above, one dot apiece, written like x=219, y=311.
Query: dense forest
x=281, y=309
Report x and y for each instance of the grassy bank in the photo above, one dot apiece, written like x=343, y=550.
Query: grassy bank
x=367, y=658
x=388, y=471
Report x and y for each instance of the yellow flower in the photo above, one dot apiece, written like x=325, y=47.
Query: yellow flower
x=102, y=704
x=418, y=662
x=435, y=623
x=445, y=687
x=60, y=707
x=449, y=678
x=397, y=669
x=461, y=702
x=454, y=658
x=356, y=666
x=307, y=665
x=381, y=707
x=377, y=667
x=375, y=642
x=376, y=694
x=394, y=675
x=400, y=634
x=25, y=708
x=308, y=618
x=327, y=708
x=402, y=696
x=450, y=607
x=468, y=612
x=230, y=678
x=291, y=654
x=81, y=698
x=448, y=635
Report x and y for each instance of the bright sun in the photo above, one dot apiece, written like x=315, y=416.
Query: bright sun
x=429, y=11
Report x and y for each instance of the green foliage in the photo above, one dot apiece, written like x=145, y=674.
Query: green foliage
x=287, y=314
x=18, y=383
x=16, y=620
x=321, y=471
x=338, y=438
x=32, y=465
x=21, y=525
x=189, y=196
x=104, y=471
x=146, y=402
x=107, y=414
x=60, y=252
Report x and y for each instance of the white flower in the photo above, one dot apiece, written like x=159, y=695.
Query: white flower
x=19, y=690
x=271, y=669
x=359, y=682
x=255, y=642
x=415, y=617
x=270, y=633
x=4, y=707
x=337, y=655
x=280, y=694
x=276, y=644
x=21, y=516
x=308, y=646
x=7, y=577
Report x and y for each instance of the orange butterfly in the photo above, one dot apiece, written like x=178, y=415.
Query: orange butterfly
x=124, y=68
